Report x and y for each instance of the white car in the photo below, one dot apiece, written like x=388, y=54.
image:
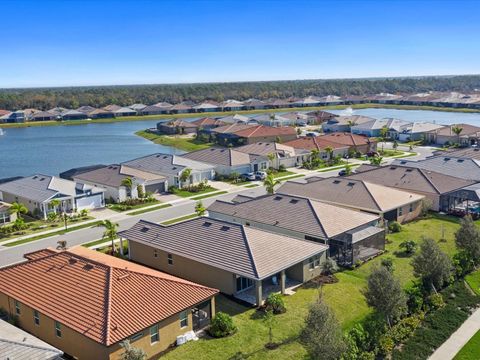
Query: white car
x=248, y=177
x=260, y=175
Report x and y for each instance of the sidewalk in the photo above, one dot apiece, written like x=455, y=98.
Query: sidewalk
x=459, y=338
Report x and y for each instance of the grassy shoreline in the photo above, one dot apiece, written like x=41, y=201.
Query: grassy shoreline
x=182, y=143
x=225, y=113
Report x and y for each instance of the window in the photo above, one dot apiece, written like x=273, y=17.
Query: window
x=170, y=259
x=58, y=329
x=243, y=283
x=411, y=208
x=314, y=262
x=17, y=307
x=154, y=337
x=183, y=319
x=36, y=317
x=400, y=211
x=155, y=253
x=136, y=336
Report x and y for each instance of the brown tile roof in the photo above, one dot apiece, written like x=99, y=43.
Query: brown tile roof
x=467, y=130
x=262, y=130
x=346, y=139
x=102, y=297
x=350, y=193
x=208, y=122
x=222, y=156
x=231, y=128
x=4, y=112
x=244, y=251
x=295, y=214
x=266, y=148
x=180, y=123
x=313, y=143
x=412, y=179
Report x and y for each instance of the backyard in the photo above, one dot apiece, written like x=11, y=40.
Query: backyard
x=185, y=143
x=344, y=297
x=471, y=351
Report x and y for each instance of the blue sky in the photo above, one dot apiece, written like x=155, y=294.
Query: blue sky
x=58, y=43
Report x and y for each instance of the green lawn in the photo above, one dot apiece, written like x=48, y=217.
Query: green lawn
x=283, y=173
x=182, y=218
x=186, y=193
x=180, y=142
x=471, y=350
x=251, y=185
x=142, y=211
x=209, y=195
x=345, y=297
x=473, y=280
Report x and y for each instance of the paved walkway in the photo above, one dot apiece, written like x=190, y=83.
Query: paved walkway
x=459, y=338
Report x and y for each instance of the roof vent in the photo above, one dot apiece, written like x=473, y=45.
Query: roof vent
x=476, y=149
x=42, y=179
x=157, y=156
x=403, y=162
x=207, y=224
x=460, y=160
x=446, y=159
x=409, y=170
x=145, y=229
x=72, y=261
x=277, y=198
x=165, y=156
x=225, y=228
x=393, y=167
x=293, y=201
x=35, y=177
x=88, y=267
x=351, y=184
x=336, y=181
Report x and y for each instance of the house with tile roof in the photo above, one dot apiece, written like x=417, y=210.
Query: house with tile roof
x=43, y=116
x=171, y=167
x=13, y=117
x=240, y=260
x=232, y=105
x=73, y=115
x=356, y=143
x=433, y=185
x=85, y=303
x=254, y=104
x=182, y=108
x=344, y=123
x=124, y=111
x=207, y=106
x=470, y=135
x=176, y=126
x=227, y=161
x=390, y=204
x=351, y=235
x=274, y=120
x=36, y=192
x=250, y=134
x=319, y=116
x=16, y=344
x=111, y=177
x=284, y=155
x=319, y=143
x=373, y=128
x=208, y=123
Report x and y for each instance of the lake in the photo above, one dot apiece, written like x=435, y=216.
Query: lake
x=53, y=149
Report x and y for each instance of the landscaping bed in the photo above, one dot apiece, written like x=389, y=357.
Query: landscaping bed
x=132, y=204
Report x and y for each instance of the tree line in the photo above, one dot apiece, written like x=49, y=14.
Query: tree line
x=99, y=96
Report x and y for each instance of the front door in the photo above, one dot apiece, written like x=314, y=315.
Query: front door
x=201, y=315
x=255, y=167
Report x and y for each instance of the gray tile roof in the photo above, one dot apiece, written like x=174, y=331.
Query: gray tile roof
x=471, y=153
x=223, y=156
x=296, y=214
x=413, y=179
x=166, y=164
x=351, y=193
x=109, y=175
x=265, y=148
x=464, y=168
x=248, y=252
x=16, y=344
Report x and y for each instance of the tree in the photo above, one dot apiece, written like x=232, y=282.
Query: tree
x=432, y=265
x=329, y=266
x=348, y=169
x=18, y=209
x=200, y=209
x=128, y=183
x=329, y=151
x=376, y=160
x=271, y=157
x=110, y=232
x=385, y=294
x=409, y=246
x=457, y=131
x=351, y=123
x=269, y=320
x=322, y=334
x=55, y=203
x=467, y=238
x=395, y=145
x=270, y=182
x=185, y=175
x=383, y=135
x=130, y=352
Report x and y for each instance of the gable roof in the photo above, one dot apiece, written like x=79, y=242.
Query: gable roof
x=262, y=130
x=165, y=164
x=208, y=122
x=123, y=298
x=222, y=156
x=112, y=175
x=314, y=143
x=464, y=168
x=244, y=251
x=295, y=214
x=447, y=130
x=346, y=139
x=412, y=179
x=231, y=128
x=346, y=120
x=16, y=344
x=178, y=122
x=266, y=148
x=469, y=152
x=351, y=193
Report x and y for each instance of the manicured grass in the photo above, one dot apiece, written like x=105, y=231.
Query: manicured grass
x=292, y=177
x=186, y=193
x=283, y=173
x=471, y=350
x=251, y=185
x=142, y=211
x=60, y=232
x=345, y=297
x=389, y=153
x=180, y=142
x=225, y=113
x=95, y=242
x=473, y=280
x=182, y=218
x=209, y=195
x=123, y=208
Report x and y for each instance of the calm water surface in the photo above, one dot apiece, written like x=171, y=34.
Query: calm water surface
x=51, y=150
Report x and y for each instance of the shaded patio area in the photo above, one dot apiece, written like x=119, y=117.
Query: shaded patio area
x=249, y=295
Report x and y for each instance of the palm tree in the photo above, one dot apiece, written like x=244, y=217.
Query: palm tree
x=185, y=175
x=329, y=151
x=200, y=209
x=270, y=182
x=128, y=183
x=19, y=209
x=110, y=232
x=376, y=160
x=350, y=124
x=271, y=157
x=383, y=135
x=348, y=169
x=55, y=203
x=457, y=130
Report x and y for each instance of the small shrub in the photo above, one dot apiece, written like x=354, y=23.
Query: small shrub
x=435, y=301
x=409, y=246
x=282, y=168
x=414, y=299
x=222, y=325
x=329, y=267
x=388, y=263
x=386, y=345
x=394, y=227
x=275, y=303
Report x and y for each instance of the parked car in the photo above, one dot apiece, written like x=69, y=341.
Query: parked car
x=302, y=123
x=248, y=177
x=311, y=134
x=260, y=175
x=342, y=172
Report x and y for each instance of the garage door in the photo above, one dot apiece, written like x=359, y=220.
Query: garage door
x=89, y=202
x=155, y=188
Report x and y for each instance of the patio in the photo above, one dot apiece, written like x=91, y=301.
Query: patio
x=249, y=296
